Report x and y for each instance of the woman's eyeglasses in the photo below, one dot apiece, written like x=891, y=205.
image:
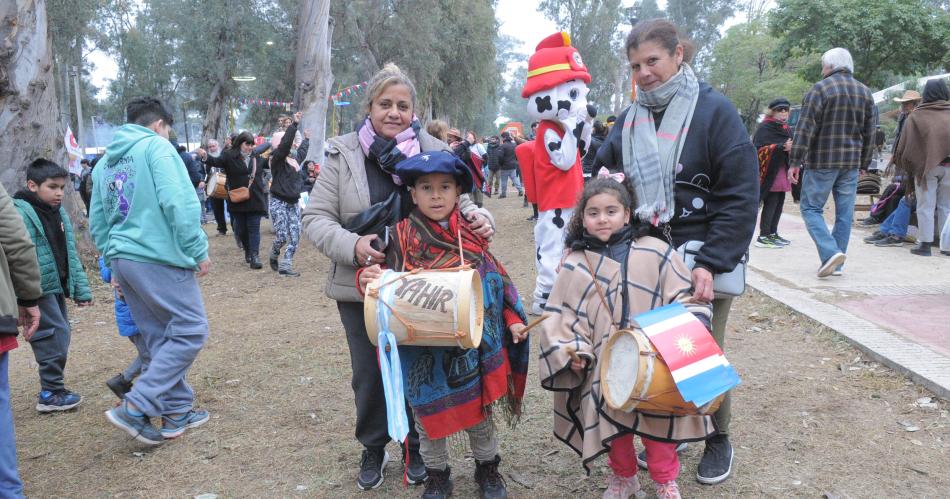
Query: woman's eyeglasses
x=781, y=110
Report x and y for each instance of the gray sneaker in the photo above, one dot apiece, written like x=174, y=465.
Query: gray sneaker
x=138, y=426
x=889, y=241
x=174, y=427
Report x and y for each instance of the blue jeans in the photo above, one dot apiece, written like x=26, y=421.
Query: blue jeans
x=509, y=174
x=817, y=184
x=10, y=484
x=896, y=223
x=247, y=227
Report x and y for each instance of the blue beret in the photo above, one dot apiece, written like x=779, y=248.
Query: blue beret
x=410, y=169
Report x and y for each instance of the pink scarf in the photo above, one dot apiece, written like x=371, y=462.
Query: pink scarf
x=389, y=152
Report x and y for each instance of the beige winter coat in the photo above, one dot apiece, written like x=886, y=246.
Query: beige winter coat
x=342, y=192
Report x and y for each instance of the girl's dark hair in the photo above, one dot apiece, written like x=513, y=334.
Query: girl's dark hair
x=598, y=185
x=661, y=32
x=242, y=138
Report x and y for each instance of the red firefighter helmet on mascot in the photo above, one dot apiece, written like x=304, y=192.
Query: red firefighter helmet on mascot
x=554, y=62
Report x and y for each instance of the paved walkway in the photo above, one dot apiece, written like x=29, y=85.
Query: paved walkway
x=891, y=304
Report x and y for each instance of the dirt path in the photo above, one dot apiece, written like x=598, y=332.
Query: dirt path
x=810, y=417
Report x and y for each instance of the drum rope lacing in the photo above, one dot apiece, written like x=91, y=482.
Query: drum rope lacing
x=410, y=327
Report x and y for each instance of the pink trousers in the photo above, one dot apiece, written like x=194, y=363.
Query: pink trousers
x=662, y=461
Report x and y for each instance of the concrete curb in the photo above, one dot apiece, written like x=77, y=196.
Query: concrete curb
x=920, y=363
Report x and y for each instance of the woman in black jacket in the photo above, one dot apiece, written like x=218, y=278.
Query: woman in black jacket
x=244, y=169
x=694, y=169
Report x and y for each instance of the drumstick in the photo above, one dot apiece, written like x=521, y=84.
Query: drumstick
x=573, y=353
x=535, y=322
x=461, y=253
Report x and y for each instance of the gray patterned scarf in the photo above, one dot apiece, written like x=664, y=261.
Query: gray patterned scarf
x=650, y=155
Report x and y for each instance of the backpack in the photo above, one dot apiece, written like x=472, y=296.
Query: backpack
x=888, y=201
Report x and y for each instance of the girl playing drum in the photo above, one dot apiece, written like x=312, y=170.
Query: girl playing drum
x=585, y=310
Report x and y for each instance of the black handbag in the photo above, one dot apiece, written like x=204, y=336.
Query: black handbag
x=376, y=219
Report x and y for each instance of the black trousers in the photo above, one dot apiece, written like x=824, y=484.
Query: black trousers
x=247, y=227
x=217, y=206
x=371, y=425
x=771, y=213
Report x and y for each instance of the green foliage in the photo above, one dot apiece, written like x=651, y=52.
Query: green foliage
x=743, y=69
x=700, y=21
x=514, y=107
x=594, y=26
x=884, y=37
x=644, y=10
x=178, y=50
x=448, y=48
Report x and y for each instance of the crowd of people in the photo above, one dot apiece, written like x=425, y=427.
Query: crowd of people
x=679, y=175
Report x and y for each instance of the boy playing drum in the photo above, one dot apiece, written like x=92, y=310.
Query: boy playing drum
x=454, y=389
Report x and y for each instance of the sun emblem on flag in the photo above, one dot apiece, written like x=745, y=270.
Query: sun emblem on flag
x=685, y=345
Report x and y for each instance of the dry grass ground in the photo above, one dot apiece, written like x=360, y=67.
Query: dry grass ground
x=810, y=418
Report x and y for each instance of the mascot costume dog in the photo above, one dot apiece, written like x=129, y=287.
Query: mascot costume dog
x=556, y=90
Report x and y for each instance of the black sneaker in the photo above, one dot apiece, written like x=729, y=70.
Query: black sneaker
x=921, y=249
x=274, y=264
x=875, y=237
x=888, y=241
x=288, y=273
x=438, y=483
x=870, y=221
x=372, y=465
x=716, y=463
x=119, y=385
x=781, y=240
x=415, y=468
x=491, y=484
x=642, y=455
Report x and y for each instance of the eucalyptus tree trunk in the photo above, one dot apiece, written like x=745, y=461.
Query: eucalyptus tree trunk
x=30, y=125
x=212, y=127
x=29, y=117
x=314, y=77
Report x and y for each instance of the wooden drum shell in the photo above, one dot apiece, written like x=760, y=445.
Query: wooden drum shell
x=654, y=389
x=438, y=304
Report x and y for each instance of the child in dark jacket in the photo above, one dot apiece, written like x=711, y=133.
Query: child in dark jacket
x=62, y=276
x=121, y=383
x=451, y=389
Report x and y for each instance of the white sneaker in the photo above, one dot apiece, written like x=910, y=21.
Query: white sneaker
x=537, y=309
x=668, y=490
x=619, y=487
x=829, y=266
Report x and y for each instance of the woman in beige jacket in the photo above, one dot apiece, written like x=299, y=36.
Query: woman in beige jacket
x=360, y=172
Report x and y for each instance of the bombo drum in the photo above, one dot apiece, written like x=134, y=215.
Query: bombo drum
x=633, y=376
x=216, y=186
x=442, y=308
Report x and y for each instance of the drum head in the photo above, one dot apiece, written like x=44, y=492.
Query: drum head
x=212, y=184
x=621, y=368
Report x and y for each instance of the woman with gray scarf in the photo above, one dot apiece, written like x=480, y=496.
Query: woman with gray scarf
x=696, y=178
